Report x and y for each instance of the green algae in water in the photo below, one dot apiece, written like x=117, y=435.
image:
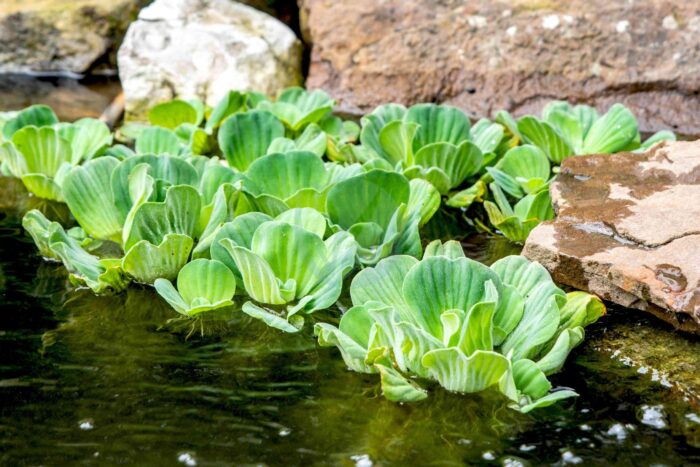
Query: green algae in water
x=87, y=379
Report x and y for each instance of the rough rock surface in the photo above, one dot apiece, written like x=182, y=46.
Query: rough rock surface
x=62, y=35
x=628, y=229
x=202, y=49
x=487, y=55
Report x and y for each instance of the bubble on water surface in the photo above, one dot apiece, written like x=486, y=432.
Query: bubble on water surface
x=620, y=431
x=653, y=416
x=187, y=458
x=568, y=457
x=87, y=424
x=362, y=460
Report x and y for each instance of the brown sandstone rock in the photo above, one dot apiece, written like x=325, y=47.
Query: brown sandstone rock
x=484, y=56
x=628, y=229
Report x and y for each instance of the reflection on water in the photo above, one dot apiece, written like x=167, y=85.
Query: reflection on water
x=86, y=379
x=70, y=98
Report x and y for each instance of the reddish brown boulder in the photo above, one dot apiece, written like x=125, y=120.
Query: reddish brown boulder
x=628, y=229
x=487, y=55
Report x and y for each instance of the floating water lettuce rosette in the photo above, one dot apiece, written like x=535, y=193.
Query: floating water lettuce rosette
x=467, y=326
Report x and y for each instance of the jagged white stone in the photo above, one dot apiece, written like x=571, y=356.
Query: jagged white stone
x=202, y=49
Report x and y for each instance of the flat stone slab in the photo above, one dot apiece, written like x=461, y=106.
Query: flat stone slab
x=628, y=230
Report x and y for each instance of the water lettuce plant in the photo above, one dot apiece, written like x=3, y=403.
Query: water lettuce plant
x=100, y=275
x=383, y=211
x=565, y=130
x=516, y=222
x=277, y=182
x=41, y=156
x=469, y=327
x=426, y=141
x=202, y=285
x=297, y=108
x=285, y=265
x=152, y=208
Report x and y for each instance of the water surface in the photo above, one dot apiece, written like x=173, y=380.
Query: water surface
x=114, y=380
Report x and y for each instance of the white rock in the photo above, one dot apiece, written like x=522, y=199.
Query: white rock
x=202, y=49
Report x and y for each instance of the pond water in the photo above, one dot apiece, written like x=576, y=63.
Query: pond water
x=113, y=380
x=70, y=98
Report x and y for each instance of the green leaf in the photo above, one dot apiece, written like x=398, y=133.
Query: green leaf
x=42, y=186
x=382, y=283
x=580, y=309
x=396, y=141
x=284, y=175
x=11, y=158
x=554, y=360
x=506, y=119
x=538, y=324
x=396, y=388
x=156, y=140
x=297, y=107
x=548, y=400
x=258, y=278
x=240, y=231
x=306, y=218
x=351, y=337
x=172, y=114
x=373, y=123
x=468, y=196
x=612, y=132
x=206, y=279
x=88, y=138
x=438, y=124
x=273, y=320
x=566, y=123
x=230, y=104
x=657, y=137
x=35, y=115
x=477, y=328
x=456, y=372
x=202, y=285
x=529, y=379
x=373, y=196
x=292, y=253
x=524, y=164
x=438, y=284
x=179, y=213
x=164, y=169
x=87, y=193
x=545, y=137
x=100, y=276
x=214, y=177
x=146, y=262
x=44, y=150
x=487, y=135
x=38, y=227
x=244, y=137
x=342, y=249
x=451, y=249
x=458, y=162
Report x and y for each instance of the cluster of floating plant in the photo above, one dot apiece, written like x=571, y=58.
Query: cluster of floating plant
x=271, y=205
